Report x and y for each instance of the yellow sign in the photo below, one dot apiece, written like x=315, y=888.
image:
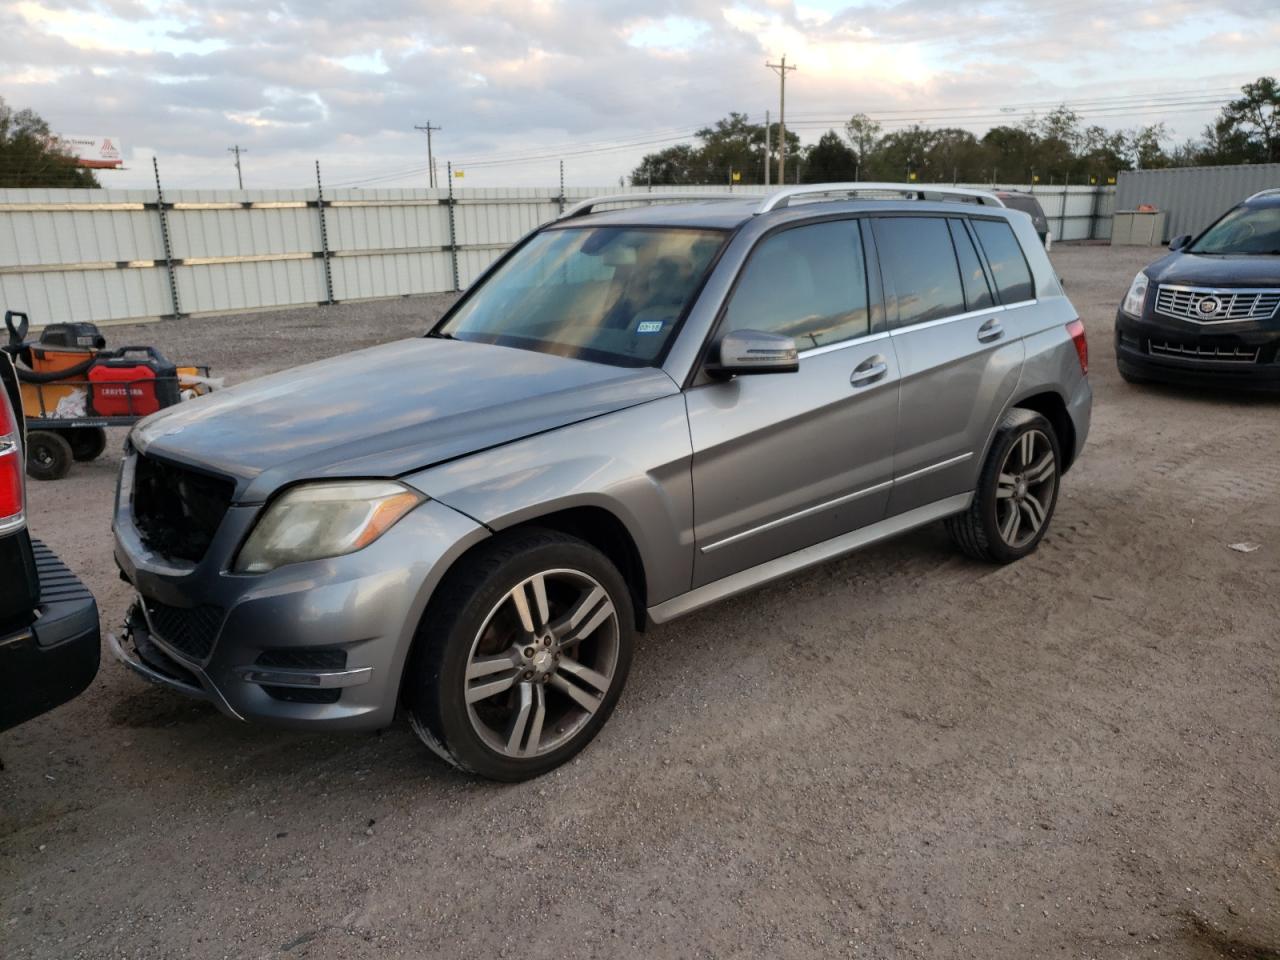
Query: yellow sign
x=912, y=175
x=737, y=177
x=1093, y=179
x=459, y=174
x=1035, y=179
x=1111, y=180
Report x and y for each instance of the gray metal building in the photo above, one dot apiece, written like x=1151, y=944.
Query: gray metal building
x=1193, y=197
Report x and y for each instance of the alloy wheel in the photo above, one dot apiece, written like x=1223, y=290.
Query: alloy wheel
x=542, y=663
x=1025, y=488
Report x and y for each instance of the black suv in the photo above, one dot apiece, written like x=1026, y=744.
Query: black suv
x=49, y=639
x=1207, y=312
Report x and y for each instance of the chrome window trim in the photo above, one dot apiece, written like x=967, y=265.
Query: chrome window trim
x=967, y=315
x=798, y=515
x=842, y=344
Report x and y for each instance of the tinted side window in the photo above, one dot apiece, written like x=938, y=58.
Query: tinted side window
x=1008, y=266
x=919, y=265
x=809, y=283
x=977, y=292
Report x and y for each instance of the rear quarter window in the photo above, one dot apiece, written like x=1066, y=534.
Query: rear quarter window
x=1009, y=267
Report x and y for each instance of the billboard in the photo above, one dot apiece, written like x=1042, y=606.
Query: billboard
x=97, y=152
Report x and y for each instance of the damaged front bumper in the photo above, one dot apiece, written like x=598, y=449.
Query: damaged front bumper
x=320, y=643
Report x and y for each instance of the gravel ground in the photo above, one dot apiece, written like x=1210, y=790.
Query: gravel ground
x=901, y=754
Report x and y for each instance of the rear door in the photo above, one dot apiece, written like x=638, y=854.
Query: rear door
x=785, y=460
x=959, y=362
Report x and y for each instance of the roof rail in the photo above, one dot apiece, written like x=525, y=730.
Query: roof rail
x=915, y=191
x=586, y=206
x=1269, y=192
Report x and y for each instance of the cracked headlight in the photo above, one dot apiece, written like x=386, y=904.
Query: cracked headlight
x=327, y=519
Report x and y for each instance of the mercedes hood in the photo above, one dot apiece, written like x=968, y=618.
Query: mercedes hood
x=387, y=411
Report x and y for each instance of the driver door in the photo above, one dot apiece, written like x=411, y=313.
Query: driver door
x=785, y=460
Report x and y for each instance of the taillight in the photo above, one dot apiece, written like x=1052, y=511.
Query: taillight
x=12, y=513
x=1076, y=329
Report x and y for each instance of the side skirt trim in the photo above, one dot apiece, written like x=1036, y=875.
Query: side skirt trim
x=809, y=556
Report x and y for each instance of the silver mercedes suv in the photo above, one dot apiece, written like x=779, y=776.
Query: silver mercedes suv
x=634, y=413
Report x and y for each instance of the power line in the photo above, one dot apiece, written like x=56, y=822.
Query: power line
x=1087, y=108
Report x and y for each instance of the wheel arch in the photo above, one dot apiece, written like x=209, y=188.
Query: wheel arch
x=606, y=532
x=594, y=524
x=1053, y=407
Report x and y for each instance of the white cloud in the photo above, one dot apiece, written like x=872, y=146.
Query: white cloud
x=346, y=81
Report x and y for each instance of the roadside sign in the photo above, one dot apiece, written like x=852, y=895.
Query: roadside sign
x=101, y=153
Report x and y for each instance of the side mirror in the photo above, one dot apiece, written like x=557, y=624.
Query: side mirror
x=1177, y=243
x=741, y=352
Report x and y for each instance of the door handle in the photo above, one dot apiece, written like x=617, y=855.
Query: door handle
x=991, y=330
x=869, y=371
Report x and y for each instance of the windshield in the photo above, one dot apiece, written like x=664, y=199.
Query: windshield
x=1245, y=230
x=607, y=294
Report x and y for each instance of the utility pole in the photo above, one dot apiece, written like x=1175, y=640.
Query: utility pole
x=237, y=150
x=781, y=70
x=427, y=128
x=767, y=151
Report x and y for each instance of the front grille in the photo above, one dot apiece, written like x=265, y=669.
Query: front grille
x=1207, y=305
x=303, y=658
x=1208, y=353
x=177, y=511
x=189, y=630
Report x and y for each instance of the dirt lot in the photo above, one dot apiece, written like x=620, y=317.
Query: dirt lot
x=901, y=754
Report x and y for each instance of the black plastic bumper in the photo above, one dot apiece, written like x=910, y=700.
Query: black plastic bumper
x=1134, y=356
x=56, y=657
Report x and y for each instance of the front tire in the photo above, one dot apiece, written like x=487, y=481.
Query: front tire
x=521, y=659
x=1017, y=492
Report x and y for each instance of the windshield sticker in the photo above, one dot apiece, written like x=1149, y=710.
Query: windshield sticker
x=649, y=326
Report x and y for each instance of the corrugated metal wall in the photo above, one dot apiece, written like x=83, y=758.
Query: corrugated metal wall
x=99, y=255
x=1193, y=197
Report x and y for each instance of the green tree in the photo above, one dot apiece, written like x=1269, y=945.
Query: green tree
x=1256, y=115
x=904, y=152
x=1145, y=147
x=672, y=166
x=31, y=157
x=731, y=145
x=864, y=138
x=828, y=161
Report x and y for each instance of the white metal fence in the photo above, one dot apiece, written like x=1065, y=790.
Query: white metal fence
x=118, y=255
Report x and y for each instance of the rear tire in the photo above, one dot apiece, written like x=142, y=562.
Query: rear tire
x=87, y=443
x=49, y=455
x=521, y=658
x=1016, y=494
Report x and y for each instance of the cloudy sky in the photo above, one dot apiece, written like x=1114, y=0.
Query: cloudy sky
x=517, y=84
